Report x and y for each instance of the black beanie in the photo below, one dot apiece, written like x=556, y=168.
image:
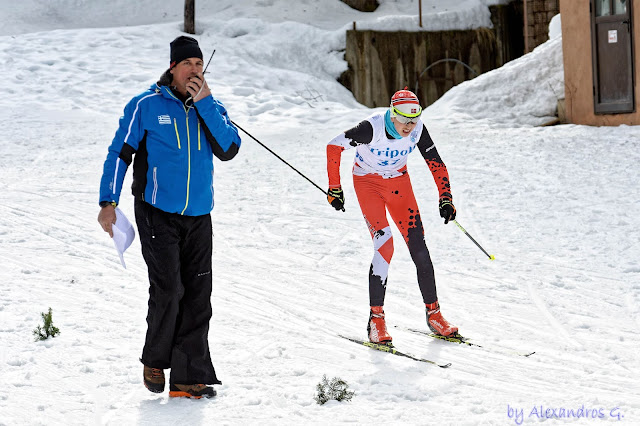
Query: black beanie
x=184, y=47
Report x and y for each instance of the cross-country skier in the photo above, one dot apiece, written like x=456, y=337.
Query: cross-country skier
x=381, y=181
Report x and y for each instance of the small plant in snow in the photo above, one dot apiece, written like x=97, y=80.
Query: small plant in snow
x=337, y=389
x=48, y=330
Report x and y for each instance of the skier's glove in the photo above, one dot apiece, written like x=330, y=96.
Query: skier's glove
x=335, y=197
x=447, y=209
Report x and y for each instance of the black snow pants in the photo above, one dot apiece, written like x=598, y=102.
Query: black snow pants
x=177, y=250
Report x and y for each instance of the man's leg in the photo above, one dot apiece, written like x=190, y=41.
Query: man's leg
x=191, y=361
x=161, y=252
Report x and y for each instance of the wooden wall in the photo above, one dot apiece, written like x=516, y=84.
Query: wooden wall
x=539, y=14
x=381, y=63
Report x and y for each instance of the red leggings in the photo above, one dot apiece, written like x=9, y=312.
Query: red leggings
x=376, y=195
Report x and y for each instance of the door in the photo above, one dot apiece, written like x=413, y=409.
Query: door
x=611, y=40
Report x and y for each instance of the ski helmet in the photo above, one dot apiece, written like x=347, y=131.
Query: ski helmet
x=405, y=102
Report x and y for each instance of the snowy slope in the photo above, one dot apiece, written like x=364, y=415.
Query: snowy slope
x=391, y=15
x=557, y=207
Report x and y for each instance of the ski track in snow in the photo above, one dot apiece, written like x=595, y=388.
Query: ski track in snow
x=557, y=207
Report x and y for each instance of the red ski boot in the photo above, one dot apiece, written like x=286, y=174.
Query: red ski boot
x=377, y=328
x=436, y=321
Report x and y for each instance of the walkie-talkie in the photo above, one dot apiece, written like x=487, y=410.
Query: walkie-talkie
x=189, y=101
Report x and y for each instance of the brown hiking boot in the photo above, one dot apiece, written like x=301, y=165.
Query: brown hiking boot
x=191, y=391
x=154, y=379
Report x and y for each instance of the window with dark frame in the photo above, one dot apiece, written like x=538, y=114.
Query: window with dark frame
x=613, y=56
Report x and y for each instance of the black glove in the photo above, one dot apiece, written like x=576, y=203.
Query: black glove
x=447, y=209
x=335, y=197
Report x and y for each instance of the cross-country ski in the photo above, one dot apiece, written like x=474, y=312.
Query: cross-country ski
x=389, y=348
x=457, y=338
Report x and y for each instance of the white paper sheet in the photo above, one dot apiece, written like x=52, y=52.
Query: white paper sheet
x=123, y=234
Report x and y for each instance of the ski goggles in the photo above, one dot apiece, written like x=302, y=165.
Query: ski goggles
x=403, y=119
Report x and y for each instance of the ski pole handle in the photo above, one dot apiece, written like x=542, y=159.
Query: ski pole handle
x=490, y=256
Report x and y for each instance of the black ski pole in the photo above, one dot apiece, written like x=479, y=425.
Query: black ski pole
x=280, y=158
x=491, y=257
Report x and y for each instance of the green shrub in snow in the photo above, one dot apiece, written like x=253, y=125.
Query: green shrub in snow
x=48, y=330
x=337, y=389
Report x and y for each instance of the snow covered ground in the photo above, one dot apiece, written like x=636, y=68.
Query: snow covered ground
x=557, y=206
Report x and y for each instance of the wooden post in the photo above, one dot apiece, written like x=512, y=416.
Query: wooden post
x=526, y=27
x=420, y=11
x=190, y=16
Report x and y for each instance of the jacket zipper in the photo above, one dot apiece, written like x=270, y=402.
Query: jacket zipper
x=175, y=125
x=155, y=185
x=189, y=157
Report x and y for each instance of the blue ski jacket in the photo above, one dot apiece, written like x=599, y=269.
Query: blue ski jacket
x=174, y=147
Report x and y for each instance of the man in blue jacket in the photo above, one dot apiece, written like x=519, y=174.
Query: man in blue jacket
x=173, y=129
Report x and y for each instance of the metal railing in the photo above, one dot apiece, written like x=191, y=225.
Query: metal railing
x=439, y=62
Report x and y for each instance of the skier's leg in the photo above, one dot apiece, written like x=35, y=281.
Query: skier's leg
x=403, y=208
x=368, y=190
